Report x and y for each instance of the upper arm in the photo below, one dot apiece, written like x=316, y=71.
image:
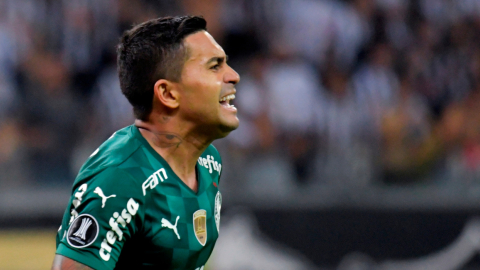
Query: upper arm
x=64, y=263
x=104, y=213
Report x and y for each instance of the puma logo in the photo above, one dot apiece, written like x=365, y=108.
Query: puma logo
x=166, y=223
x=99, y=191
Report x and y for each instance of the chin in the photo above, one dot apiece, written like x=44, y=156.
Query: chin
x=225, y=129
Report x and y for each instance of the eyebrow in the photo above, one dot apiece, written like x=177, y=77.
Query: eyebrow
x=217, y=59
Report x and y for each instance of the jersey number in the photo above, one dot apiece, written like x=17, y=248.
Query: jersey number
x=77, y=201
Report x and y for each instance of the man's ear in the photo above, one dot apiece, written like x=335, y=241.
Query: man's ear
x=166, y=92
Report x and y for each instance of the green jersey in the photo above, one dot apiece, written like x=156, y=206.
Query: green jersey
x=129, y=210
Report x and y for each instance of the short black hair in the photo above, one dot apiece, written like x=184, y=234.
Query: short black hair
x=151, y=51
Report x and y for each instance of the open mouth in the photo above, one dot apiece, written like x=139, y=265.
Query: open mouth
x=225, y=101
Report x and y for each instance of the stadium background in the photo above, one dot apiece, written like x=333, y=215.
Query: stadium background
x=359, y=144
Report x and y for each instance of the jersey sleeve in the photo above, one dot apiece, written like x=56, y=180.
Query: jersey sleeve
x=103, y=213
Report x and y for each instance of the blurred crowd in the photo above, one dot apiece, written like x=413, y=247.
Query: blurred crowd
x=333, y=92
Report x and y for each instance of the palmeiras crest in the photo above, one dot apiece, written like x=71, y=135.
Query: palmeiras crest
x=218, y=207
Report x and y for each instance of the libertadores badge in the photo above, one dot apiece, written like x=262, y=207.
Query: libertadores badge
x=218, y=207
x=200, y=226
x=83, y=231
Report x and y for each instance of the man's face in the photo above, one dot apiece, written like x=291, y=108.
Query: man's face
x=207, y=86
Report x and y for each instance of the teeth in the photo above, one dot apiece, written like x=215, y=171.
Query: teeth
x=229, y=97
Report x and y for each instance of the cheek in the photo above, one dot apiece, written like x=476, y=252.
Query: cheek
x=207, y=91
x=199, y=81
x=202, y=90
x=202, y=98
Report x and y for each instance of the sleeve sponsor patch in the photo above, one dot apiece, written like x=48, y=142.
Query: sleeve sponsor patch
x=83, y=231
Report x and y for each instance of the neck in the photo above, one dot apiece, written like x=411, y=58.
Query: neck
x=176, y=145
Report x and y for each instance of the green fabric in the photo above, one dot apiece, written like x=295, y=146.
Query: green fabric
x=147, y=190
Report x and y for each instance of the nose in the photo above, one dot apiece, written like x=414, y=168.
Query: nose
x=231, y=76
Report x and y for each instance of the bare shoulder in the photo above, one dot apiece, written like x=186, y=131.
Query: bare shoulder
x=64, y=263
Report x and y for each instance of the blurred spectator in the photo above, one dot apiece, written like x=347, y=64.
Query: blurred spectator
x=254, y=145
x=256, y=133
x=292, y=95
x=409, y=145
x=345, y=130
x=351, y=92
x=396, y=26
x=307, y=28
x=375, y=83
x=49, y=117
x=109, y=109
x=353, y=28
x=89, y=28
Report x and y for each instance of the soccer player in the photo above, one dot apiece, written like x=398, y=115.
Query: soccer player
x=148, y=197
